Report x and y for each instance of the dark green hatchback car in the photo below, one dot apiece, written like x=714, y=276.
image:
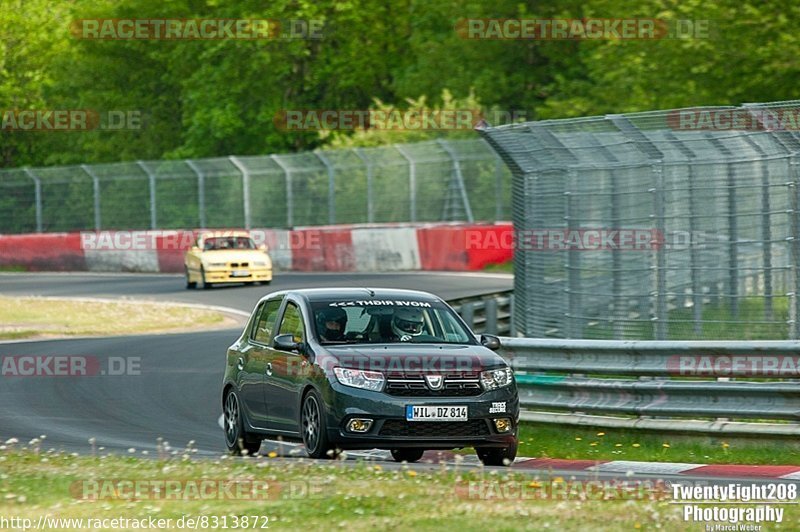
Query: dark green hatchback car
x=357, y=368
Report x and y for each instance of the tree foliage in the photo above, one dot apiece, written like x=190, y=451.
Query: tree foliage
x=211, y=98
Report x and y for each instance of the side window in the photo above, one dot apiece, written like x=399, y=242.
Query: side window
x=265, y=325
x=292, y=323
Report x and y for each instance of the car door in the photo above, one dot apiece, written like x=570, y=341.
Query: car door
x=285, y=375
x=254, y=359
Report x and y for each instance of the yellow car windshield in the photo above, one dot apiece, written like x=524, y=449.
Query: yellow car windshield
x=228, y=242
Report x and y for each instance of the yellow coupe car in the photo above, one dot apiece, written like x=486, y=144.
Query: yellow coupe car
x=226, y=257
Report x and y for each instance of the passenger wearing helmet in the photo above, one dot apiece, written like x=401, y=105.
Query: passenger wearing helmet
x=407, y=323
x=331, y=323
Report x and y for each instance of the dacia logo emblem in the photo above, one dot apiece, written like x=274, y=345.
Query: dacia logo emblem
x=435, y=382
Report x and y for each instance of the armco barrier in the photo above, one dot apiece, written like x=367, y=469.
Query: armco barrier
x=487, y=313
x=660, y=385
x=385, y=247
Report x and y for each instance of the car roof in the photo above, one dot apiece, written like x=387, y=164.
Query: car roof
x=323, y=294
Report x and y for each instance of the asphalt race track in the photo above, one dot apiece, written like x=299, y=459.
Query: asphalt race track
x=176, y=395
x=170, y=287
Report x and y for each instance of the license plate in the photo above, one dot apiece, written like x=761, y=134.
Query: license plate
x=436, y=413
x=240, y=273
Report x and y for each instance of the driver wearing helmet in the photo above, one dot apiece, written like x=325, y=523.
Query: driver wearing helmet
x=331, y=323
x=407, y=323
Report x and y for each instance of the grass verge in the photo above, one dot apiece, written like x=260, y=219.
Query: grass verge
x=37, y=317
x=503, y=267
x=307, y=496
x=558, y=441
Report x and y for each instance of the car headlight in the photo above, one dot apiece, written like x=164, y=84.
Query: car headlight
x=496, y=378
x=216, y=265
x=368, y=380
x=260, y=264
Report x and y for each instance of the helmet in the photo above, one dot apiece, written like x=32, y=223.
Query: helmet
x=407, y=322
x=331, y=314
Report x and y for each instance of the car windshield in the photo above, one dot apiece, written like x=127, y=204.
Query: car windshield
x=353, y=321
x=228, y=242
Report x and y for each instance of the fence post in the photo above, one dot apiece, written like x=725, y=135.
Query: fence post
x=766, y=236
x=96, y=188
x=331, y=186
x=459, y=178
x=694, y=257
x=498, y=185
x=368, y=166
x=151, y=178
x=574, y=321
x=661, y=259
x=794, y=248
x=618, y=304
x=490, y=310
x=245, y=189
x=201, y=192
x=37, y=197
x=289, y=197
x=512, y=315
x=467, y=312
x=412, y=182
x=733, y=245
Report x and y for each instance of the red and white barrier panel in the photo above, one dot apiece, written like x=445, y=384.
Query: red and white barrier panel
x=43, y=252
x=330, y=248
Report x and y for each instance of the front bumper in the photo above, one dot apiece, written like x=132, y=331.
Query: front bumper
x=225, y=276
x=390, y=429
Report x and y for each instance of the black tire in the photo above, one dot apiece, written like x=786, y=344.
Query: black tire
x=189, y=285
x=314, y=428
x=491, y=456
x=409, y=455
x=236, y=439
x=203, y=284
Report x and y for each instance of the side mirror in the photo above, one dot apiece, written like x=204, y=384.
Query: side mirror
x=285, y=342
x=263, y=247
x=195, y=249
x=490, y=341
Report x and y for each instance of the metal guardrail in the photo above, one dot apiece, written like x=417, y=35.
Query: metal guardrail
x=487, y=313
x=686, y=386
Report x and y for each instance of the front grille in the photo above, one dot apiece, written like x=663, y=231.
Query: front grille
x=421, y=390
x=434, y=429
x=414, y=385
x=239, y=264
